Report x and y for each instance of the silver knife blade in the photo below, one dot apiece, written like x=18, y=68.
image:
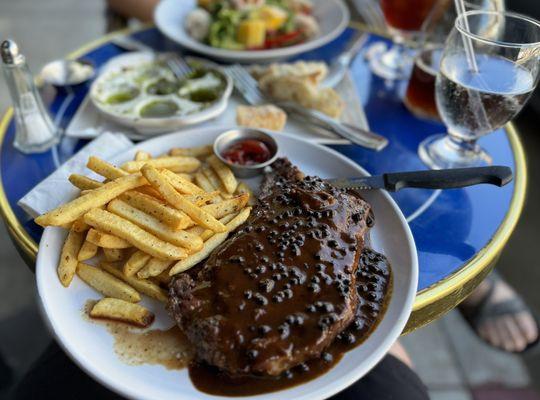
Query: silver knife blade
x=365, y=183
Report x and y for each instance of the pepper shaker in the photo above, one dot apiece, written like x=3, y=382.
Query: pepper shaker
x=35, y=131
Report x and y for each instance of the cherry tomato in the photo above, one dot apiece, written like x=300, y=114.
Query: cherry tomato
x=283, y=40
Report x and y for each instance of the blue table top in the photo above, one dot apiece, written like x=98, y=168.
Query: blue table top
x=450, y=227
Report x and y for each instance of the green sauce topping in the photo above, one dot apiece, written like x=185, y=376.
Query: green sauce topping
x=162, y=87
x=121, y=97
x=157, y=109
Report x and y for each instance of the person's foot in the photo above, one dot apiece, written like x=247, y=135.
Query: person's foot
x=500, y=317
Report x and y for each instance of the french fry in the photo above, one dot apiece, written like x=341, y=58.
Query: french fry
x=177, y=237
x=205, y=234
x=202, y=181
x=135, y=262
x=239, y=219
x=150, y=191
x=174, y=198
x=83, y=182
x=87, y=251
x=105, y=240
x=187, y=177
x=110, y=223
x=120, y=310
x=109, y=171
x=203, y=198
x=213, y=178
x=74, y=209
x=162, y=279
x=154, y=267
x=107, y=284
x=68, y=257
x=175, y=164
x=79, y=225
x=157, y=208
x=113, y=255
x=196, y=258
x=226, y=207
x=224, y=173
x=142, y=156
x=200, y=151
x=142, y=285
x=182, y=185
x=243, y=188
x=105, y=169
x=210, y=244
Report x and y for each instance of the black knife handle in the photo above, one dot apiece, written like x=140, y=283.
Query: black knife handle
x=448, y=178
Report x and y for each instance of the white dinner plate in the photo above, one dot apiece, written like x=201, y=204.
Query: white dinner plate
x=170, y=15
x=91, y=346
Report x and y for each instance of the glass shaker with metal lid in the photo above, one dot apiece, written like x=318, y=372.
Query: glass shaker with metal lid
x=35, y=132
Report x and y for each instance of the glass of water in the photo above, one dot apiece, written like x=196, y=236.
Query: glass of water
x=488, y=70
x=420, y=95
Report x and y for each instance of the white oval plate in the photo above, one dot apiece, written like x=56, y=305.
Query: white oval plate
x=91, y=346
x=153, y=126
x=170, y=15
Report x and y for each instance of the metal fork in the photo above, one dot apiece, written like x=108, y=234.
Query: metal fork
x=177, y=65
x=338, y=68
x=371, y=14
x=249, y=89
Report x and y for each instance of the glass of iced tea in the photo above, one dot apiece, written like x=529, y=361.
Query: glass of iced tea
x=420, y=94
x=489, y=68
x=404, y=19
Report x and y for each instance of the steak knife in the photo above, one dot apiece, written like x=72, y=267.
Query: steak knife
x=431, y=179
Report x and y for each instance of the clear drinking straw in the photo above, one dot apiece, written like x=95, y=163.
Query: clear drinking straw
x=475, y=103
x=469, y=50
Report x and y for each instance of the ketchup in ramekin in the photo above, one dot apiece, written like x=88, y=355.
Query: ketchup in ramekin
x=247, y=152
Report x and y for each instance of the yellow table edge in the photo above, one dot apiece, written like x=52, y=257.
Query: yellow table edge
x=431, y=302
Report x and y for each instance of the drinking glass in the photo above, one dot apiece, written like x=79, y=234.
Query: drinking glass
x=404, y=19
x=488, y=70
x=420, y=94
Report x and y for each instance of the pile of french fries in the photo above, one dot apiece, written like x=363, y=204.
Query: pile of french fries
x=149, y=219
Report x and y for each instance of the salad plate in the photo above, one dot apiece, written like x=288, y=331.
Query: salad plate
x=171, y=16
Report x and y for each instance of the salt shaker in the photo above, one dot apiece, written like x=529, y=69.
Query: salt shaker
x=35, y=132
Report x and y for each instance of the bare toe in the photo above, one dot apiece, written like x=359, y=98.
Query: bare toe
x=519, y=340
x=491, y=333
x=507, y=342
x=527, y=326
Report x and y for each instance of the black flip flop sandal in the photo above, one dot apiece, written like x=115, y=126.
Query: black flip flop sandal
x=485, y=310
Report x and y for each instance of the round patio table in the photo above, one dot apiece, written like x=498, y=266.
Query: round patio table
x=459, y=233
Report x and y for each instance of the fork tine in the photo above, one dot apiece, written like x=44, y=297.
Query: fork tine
x=247, y=77
x=377, y=19
x=178, y=66
x=249, y=82
x=245, y=84
x=172, y=66
x=181, y=64
x=370, y=12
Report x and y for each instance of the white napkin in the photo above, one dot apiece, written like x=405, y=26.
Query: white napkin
x=87, y=118
x=55, y=190
x=88, y=123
